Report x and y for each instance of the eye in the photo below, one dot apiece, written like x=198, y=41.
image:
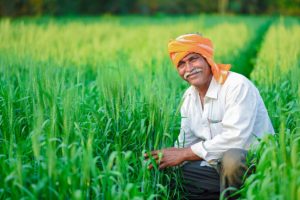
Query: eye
x=180, y=65
x=193, y=59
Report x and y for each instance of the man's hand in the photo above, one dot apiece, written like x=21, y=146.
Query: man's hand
x=171, y=157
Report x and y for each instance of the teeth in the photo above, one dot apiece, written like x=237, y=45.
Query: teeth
x=194, y=71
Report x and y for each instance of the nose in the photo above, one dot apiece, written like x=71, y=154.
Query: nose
x=189, y=66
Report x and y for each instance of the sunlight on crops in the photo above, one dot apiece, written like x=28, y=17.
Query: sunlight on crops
x=81, y=100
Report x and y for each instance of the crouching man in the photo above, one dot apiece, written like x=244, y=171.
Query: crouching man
x=222, y=114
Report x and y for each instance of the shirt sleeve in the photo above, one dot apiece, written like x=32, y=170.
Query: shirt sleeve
x=237, y=124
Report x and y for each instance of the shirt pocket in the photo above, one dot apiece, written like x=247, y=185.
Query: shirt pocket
x=215, y=128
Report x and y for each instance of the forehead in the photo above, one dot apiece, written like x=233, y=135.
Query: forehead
x=187, y=57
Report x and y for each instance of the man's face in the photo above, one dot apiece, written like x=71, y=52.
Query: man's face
x=195, y=70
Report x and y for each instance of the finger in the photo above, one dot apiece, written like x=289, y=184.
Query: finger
x=151, y=153
x=146, y=157
x=158, y=162
x=155, y=157
x=155, y=163
x=154, y=152
x=150, y=167
x=160, y=154
x=162, y=166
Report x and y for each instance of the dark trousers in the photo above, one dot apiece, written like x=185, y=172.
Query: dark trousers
x=204, y=182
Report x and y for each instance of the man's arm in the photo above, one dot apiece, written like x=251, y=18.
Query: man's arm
x=172, y=157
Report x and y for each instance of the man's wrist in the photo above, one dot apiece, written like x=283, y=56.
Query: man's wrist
x=189, y=155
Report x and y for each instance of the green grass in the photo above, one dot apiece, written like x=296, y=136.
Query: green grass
x=81, y=99
x=277, y=73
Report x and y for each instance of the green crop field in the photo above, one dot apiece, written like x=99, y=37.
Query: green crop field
x=81, y=100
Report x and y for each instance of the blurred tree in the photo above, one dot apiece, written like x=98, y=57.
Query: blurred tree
x=223, y=6
x=66, y=7
x=36, y=7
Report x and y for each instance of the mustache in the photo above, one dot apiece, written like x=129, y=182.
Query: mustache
x=194, y=71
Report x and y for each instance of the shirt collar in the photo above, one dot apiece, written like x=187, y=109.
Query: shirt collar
x=212, y=91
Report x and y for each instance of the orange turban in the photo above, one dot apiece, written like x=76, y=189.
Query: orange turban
x=194, y=43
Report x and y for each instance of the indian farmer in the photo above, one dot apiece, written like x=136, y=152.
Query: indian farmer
x=222, y=115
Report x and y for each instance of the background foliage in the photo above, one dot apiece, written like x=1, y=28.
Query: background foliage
x=82, y=98
x=146, y=7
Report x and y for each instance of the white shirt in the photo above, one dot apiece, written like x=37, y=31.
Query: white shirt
x=233, y=115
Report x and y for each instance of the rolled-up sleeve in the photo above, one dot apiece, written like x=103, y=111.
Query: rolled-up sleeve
x=237, y=124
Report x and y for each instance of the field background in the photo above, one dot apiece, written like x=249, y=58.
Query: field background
x=82, y=98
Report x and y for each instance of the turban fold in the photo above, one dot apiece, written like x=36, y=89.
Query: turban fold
x=194, y=43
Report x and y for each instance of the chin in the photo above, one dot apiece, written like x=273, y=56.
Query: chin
x=195, y=83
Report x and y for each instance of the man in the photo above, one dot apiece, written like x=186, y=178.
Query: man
x=222, y=116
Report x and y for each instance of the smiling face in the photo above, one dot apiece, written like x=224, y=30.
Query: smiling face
x=195, y=70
